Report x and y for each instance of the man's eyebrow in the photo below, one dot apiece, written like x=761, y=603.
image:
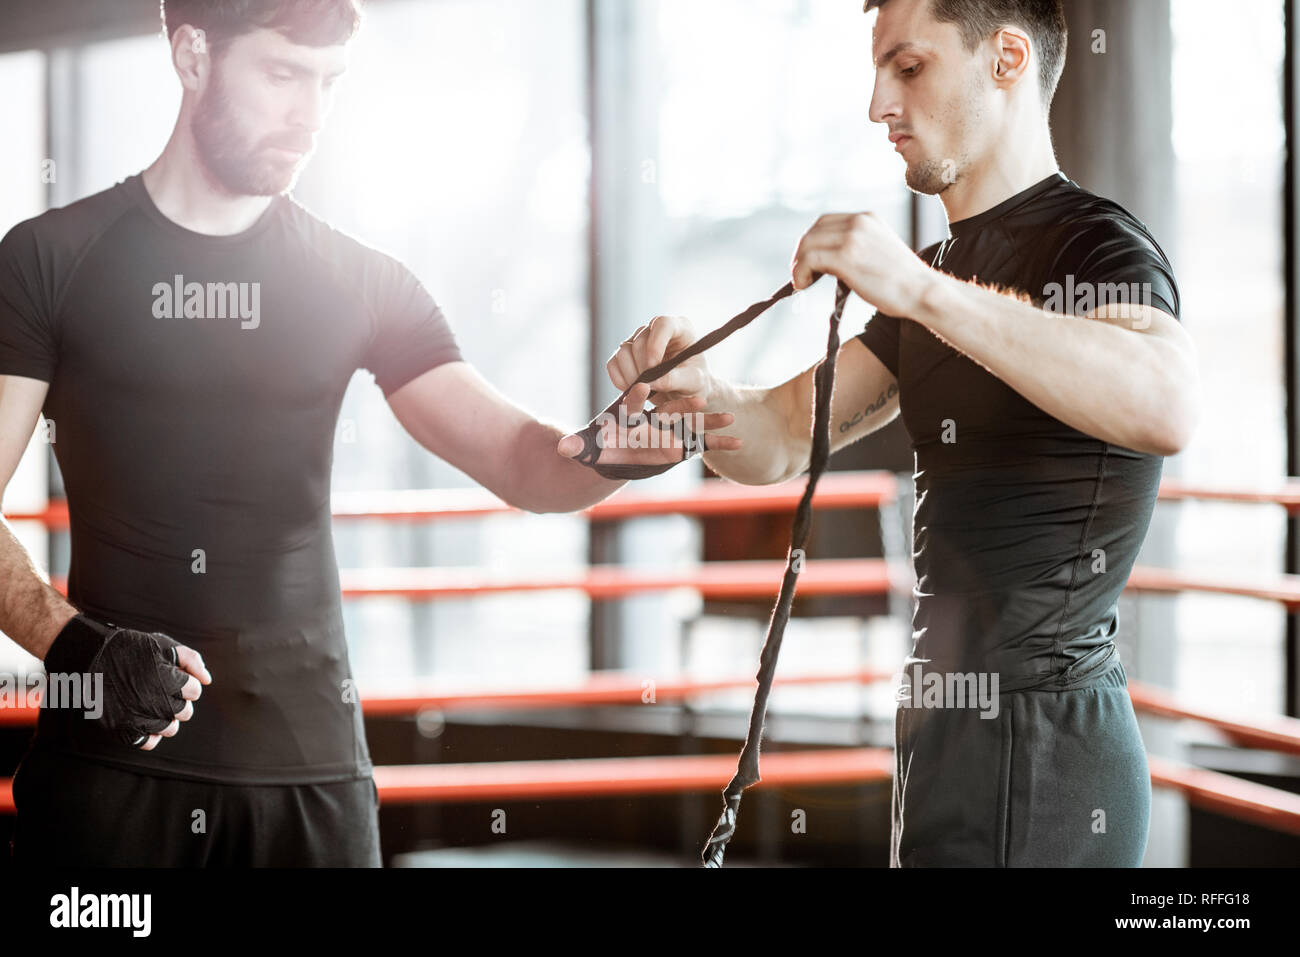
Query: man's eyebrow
x=298, y=70
x=905, y=47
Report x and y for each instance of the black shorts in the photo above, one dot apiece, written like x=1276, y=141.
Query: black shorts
x=1058, y=778
x=72, y=812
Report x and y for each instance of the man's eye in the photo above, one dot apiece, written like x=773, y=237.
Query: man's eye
x=911, y=70
x=281, y=78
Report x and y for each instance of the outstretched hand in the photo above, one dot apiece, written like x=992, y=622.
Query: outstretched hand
x=672, y=431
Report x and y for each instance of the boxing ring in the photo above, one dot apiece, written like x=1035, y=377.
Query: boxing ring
x=1216, y=792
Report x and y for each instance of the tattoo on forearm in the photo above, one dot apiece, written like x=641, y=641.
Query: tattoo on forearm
x=881, y=401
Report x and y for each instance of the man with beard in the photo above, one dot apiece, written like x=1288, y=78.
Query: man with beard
x=1038, y=361
x=191, y=332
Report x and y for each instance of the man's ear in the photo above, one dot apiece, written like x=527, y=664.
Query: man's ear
x=191, y=58
x=1011, y=56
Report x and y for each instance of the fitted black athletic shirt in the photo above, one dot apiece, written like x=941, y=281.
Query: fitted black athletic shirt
x=1009, y=516
x=177, y=430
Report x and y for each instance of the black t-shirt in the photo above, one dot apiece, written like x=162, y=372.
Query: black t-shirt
x=1025, y=529
x=195, y=387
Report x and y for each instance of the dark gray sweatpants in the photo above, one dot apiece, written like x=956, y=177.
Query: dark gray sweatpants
x=77, y=813
x=1058, y=778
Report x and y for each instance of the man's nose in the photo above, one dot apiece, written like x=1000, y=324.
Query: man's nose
x=884, y=103
x=310, y=109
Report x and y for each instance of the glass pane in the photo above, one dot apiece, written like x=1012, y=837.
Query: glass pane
x=128, y=99
x=22, y=117
x=458, y=144
x=24, y=171
x=763, y=126
x=1229, y=182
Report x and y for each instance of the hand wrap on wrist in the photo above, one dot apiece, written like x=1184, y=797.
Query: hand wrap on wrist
x=141, y=679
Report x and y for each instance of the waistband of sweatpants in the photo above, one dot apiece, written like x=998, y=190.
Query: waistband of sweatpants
x=1100, y=667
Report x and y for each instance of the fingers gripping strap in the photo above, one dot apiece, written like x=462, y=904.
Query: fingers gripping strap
x=591, y=449
x=692, y=444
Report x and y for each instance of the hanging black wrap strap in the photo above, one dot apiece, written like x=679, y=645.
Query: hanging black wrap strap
x=747, y=768
x=747, y=772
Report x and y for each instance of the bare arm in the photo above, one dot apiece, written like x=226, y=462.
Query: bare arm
x=457, y=415
x=1127, y=379
x=32, y=612
x=775, y=424
x=1127, y=375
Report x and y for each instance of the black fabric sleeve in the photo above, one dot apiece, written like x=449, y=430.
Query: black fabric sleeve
x=881, y=337
x=1122, y=252
x=412, y=335
x=27, y=342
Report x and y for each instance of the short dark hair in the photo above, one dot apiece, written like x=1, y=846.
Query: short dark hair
x=980, y=19
x=316, y=23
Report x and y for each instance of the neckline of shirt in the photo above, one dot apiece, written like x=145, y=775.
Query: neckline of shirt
x=980, y=220
x=135, y=186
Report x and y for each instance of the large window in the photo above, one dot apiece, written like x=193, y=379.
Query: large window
x=458, y=143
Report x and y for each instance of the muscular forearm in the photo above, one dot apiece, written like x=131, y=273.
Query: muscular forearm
x=547, y=481
x=1106, y=380
x=31, y=611
x=762, y=424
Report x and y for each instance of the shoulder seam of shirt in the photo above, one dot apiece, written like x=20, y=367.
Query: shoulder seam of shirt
x=337, y=275
x=1112, y=211
x=94, y=240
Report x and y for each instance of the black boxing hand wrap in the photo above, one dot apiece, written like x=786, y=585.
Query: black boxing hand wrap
x=692, y=444
x=141, y=685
